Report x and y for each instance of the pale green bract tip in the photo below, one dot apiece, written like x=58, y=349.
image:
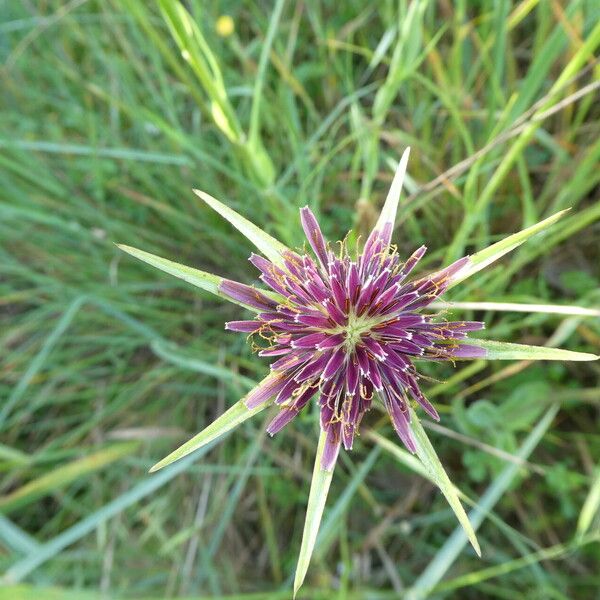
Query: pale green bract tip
x=319, y=488
x=273, y=249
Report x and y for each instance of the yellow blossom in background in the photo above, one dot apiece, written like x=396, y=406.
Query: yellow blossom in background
x=224, y=26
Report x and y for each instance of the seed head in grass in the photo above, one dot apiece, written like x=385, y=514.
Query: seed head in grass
x=344, y=328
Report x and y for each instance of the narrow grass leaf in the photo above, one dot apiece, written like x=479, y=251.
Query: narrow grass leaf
x=48, y=550
x=231, y=418
x=432, y=464
x=507, y=351
x=319, y=487
x=480, y=260
x=201, y=279
x=268, y=245
x=590, y=506
x=447, y=554
x=64, y=475
x=476, y=578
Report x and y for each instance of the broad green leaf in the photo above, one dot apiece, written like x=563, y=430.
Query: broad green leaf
x=230, y=419
x=485, y=257
x=388, y=212
x=432, y=464
x=319, y=487
x=206, y=281
x=64, y=475
x=508, y=351
x=268, y=245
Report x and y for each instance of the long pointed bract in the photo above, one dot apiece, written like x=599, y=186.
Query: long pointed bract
x=508, y=351
x=201, y=279
x=487, y=256
x=268, y=245
x=431, y=462
x=230, y=419
x=388, y=212
x=319, y=487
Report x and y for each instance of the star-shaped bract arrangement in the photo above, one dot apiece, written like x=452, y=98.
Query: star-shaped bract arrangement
x=345, y=328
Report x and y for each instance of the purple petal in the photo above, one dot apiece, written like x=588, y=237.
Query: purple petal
x=313, y=368
x=312, y=340
x=374, y=347
x=334, y=364
x=243, y=326
x=352, y=376
x=363, y=360
x=339, y=294
x=246, y=294
x=262, y=264
x=464, y=351
x=314, y=320
x=334, y=312
x=332, y=447
x=293, y=359
x=347, y=435
x=286, y=391
x=406, y=347
x=283, y=417
x=313, y=235
x=264, y=391
x=288, y=413
x=412, y=261
x=274, y=351
x=398, y=361
x=331, y=341
x=417, y=394
x=400, y=420
x=375, y=375
x=353, y=282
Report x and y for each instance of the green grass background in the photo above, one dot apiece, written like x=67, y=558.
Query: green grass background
x=111, y=112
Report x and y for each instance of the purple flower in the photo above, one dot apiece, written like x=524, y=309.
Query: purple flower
x=344, y=328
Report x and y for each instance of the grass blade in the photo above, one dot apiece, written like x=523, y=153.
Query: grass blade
x=480, y=260
x=448, y=553
x=545, y=554
x=438, y=475
x=230, y=419
x=590, y=506
x=508, y=351
x=319, y=487
x=44, y=552
x=63, y=475
x=268, y=245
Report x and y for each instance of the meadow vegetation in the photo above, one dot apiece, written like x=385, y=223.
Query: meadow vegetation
x=111, y=112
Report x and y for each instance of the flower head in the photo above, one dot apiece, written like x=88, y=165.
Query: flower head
x=342, y=328
x=346, y=327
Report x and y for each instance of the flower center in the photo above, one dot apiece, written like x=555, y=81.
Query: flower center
x=355, y=328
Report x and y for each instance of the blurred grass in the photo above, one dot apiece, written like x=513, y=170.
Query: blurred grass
x=106, y=365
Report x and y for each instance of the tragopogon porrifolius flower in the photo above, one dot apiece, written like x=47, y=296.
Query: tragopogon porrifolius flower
x=344, y=327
